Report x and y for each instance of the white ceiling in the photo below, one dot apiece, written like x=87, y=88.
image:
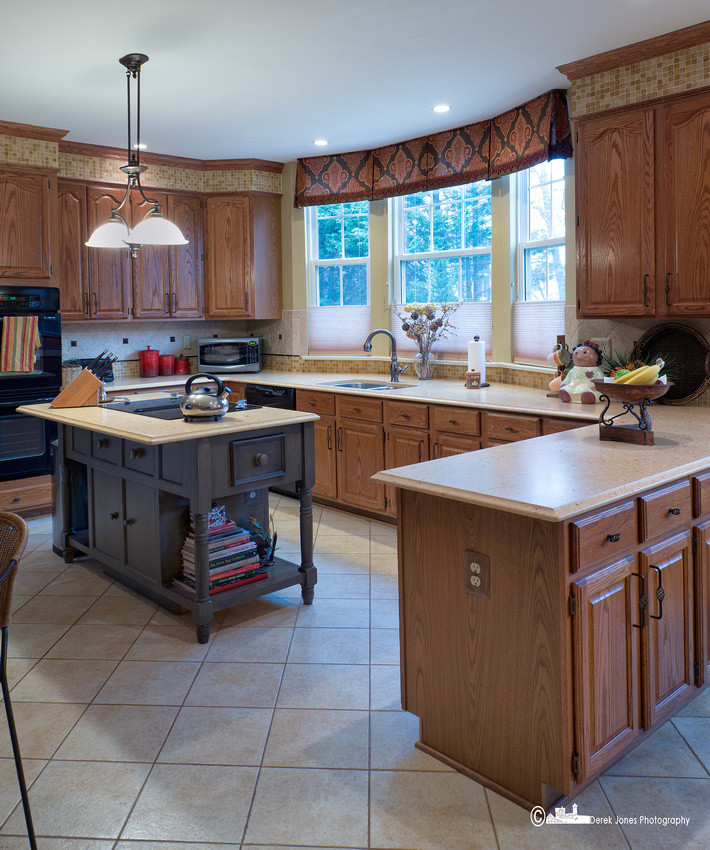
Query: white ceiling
x=237, y=79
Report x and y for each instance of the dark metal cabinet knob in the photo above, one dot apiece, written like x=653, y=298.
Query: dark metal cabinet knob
x=453, y=422
x=136, y=453
x=129, y=521
x=312, y=403
x=104, y=443
x=511, y=429
x=114, y=514
x=613, y=537
x=404, y=415
x=674, y=511
x=260, y=459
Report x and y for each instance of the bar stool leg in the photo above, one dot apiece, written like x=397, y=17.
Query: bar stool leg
x=15, y=742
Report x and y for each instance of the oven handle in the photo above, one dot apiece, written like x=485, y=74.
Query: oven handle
x=33, y=401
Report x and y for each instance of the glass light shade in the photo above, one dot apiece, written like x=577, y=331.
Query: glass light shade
x=156, y=230
x=110, y=235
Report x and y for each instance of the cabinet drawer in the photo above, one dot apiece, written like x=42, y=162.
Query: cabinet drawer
x=106, y=448
x=557, y=426
x=139, y=457
x=602, y=535
x=458, y=420
x=369, y=409
x=504, y=427
x=408, y=414
x=701, y=494
x=27, y=496
x=260, y=459
x=314, y=402
x=665, y=510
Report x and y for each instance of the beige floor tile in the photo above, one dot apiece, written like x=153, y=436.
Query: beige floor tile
x=343, y=544
x=330, y=646
x=53, y=609
x=318, y=738
x=382, y=547
x=41, y=727
x=174, y=845
x=80, y=798
x=698, y=707
x=17, y=669
x=18, y=600
x=429, y=811
x=335, y=614
x=42, y=558
x=29, y=582
x=384, y=586
x=324, y=686
x=77, y=579
x=33, y=640
x=516, y=832
x=18, y=843
x=168, y=643
x=122, y=610
x=245, y=685
x=334, y=524
x=696, y=731
x=198, y=736
x=59, y=680
x=250, y=644
x=189, y=803
x=383, y=533
x=261, y=612
x=343, y=586
x=384, y=646
x=277, y=847
x=393, y=735
x=10, y=790
x=664, y=753
x=384, y=614
x=341, y=564
x=132, y=733
x=658, y=798
x=385, y=688
x=384, y=564
x=330, y=808
x=109, y=642
x=149, y=683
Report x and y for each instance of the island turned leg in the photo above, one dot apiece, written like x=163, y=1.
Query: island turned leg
x=305, y=497
x=65, y=500
x=202, y=614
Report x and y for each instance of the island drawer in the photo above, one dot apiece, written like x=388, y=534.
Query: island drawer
x=501, y=426
x=701, y=493
x=458, y=420
x=261, y=459
x=139, y=457
x=352, y=407
x=557, y=426
x=665, y=510
x=602, y=535
x=314, y=402
x=408, y=414
x=106, y=448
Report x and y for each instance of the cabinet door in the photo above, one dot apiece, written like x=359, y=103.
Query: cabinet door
x=25, y=213
x=606, y=664
x=360, y=455
x=186, y=286
x=444, y=445
x=151, y=268
x=615, y=207
x=325, y=461
x=702, y=602
x=685, y=203
x=404, y=446
x=142, y=523
x=70, y=252
x=668, y=642
x=109, y=269
x=107, y=514
x=228, y=257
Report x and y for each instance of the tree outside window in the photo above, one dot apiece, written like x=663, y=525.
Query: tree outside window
x=339, y=254
x=542, y=232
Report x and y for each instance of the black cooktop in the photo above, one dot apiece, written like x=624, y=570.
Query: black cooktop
x=166, y=408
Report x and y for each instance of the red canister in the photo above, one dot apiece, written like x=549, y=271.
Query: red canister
x=148, y=361
x=182, y=366
x=167, y=364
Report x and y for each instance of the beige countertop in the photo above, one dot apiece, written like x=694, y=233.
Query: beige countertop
x=144, y=429
x=561, y=475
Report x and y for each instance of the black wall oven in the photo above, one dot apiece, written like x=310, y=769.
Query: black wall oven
x=25, y=440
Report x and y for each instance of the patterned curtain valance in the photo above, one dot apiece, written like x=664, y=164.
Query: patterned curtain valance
x=538, y=130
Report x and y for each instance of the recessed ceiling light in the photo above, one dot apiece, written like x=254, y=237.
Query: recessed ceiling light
x=320, y=142
x=140, y=147
x=441, y=107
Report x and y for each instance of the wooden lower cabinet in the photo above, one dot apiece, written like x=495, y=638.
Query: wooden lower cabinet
x=444, y=445
x=702, y=601
x=404, y=446
x=326, y=484
x=360, y=451
x=27, y=497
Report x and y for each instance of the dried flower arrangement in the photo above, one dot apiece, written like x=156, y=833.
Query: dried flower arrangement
x=421, y=323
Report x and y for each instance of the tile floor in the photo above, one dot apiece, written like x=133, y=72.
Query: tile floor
x=284, y=731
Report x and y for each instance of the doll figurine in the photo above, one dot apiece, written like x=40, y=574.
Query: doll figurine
x=577, y=385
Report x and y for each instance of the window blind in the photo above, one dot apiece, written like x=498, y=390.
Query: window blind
x=536, y=326
x=338, y=330
x=471, y=319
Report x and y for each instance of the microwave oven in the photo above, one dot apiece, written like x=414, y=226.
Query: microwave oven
x=229, y=355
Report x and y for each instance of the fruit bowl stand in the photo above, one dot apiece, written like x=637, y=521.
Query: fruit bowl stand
x=630, y=395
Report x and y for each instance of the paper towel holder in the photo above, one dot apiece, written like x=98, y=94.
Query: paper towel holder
x=471, y=383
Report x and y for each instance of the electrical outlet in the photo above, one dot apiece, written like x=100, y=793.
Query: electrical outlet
x=186, y=340
x=604, y=344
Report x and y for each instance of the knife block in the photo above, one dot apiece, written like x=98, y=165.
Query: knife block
x=83, y=391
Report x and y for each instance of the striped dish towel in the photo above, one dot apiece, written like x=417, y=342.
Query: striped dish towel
x=20, y=338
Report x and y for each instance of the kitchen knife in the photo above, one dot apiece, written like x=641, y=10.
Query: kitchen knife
x=105, y=367
x=94, y=363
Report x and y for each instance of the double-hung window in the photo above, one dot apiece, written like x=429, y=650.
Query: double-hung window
x=443, y=253
x=338, y=277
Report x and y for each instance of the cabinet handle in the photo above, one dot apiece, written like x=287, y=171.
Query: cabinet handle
x=136, y=453
x=667, y=289
x=357, y=409
x=312, y=403
x=644, y=290
x=453, y=422
x=674, y=511
x=421, y=449
x=167, y=303
x=338, y=439
x=614, y=538
x=114, y=514
x=260, y=459
x=129, y=521
x=16, y=500
x=643, y=601
x=660, y=594
x=96, y=304
x=404, y=415
x=328, y=436
x=174, y=303
x=511, y=429
x=86, y=304
x=104, y=443
x=433, y=449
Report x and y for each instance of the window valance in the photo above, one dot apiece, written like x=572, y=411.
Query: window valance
x=534, y=132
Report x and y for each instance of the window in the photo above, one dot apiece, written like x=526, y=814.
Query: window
x=339, y=255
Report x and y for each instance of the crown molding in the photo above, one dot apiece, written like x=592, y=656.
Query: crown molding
x=242, y=165
x=30, y=131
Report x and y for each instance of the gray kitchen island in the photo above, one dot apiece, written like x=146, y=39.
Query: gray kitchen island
x=131, y=487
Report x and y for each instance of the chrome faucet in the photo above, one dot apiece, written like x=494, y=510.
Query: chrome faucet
x=395, y=369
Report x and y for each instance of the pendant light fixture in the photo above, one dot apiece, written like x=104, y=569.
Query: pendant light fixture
x=153, y=229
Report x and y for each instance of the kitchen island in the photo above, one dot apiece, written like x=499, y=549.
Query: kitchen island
x=554, y=600
x=131, y=487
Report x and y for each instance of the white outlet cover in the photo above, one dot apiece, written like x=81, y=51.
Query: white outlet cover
x=604, y=344
x=186, y=340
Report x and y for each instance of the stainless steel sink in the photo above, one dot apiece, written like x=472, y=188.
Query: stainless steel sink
x=364, y=385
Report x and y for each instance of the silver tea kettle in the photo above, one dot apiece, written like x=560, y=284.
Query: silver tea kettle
x=203, y=403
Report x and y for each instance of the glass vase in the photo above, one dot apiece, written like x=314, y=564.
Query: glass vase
x=424, y=366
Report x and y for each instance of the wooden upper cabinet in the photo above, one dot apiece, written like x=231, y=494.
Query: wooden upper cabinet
x=27, y=203
x=151, y=269
x=70, y=253
x=243, y=256
x=109, y=269
x=684, y=261
x=615, y=206
x=186, y=285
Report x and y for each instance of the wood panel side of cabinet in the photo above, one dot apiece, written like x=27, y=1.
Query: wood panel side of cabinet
x=186, y=278
x=70, y=254
x=109, y=269
x=28, y=201
x=684, y=212
x=151, y=268
x=360, y=453
x=615, y=182
x=228, y=253
x=702, y=602
x=266, y=226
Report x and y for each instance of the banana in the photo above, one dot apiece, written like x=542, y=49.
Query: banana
x=625, y=378
x=646, y=375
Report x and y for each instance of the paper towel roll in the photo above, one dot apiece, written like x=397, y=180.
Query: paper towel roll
x=477, y=357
